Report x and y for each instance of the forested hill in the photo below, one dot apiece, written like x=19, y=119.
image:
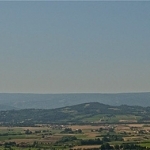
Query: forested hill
x=10, y=101
x=83, y=113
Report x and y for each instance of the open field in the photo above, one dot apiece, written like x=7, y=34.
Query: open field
x=87, y=147
x=50, y=136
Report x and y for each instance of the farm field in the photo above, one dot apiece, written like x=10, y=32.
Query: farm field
x=65, y=137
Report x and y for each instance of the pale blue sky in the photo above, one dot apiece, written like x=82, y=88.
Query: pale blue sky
x=71, y=47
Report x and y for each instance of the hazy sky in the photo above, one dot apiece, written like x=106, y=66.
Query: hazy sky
x=69, y=47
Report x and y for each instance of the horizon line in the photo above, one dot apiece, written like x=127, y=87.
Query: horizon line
x=75, y=93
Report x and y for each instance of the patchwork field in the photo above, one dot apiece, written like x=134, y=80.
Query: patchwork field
x=73, y=136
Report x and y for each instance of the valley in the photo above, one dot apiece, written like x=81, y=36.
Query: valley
x=87, y=126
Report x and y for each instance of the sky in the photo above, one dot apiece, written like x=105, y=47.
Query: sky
x=74, y=47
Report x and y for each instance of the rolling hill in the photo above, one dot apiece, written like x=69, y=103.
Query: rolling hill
x=10, y=101
x=93, y=112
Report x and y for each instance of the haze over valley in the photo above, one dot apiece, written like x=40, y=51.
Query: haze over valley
x=48, y=101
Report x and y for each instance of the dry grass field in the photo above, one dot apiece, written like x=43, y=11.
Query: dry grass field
x=87, y=147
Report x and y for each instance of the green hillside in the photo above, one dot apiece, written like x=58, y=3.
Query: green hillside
x=83, y=113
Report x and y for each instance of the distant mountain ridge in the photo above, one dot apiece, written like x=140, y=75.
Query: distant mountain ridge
x=10, y=101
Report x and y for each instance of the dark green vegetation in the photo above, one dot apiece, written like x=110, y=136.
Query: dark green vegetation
x=78, y=114
x=9, y=101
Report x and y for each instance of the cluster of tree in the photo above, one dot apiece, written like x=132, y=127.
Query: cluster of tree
x=109, y=138
x=103, y=129
x=94, y=148
x=128, y=146
x=106, y=146
x=10, y=143
x=91, y=142
x=66, y=139
x=69, y=130
x=28, y=131
x=6, y=134
x=124, y=146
